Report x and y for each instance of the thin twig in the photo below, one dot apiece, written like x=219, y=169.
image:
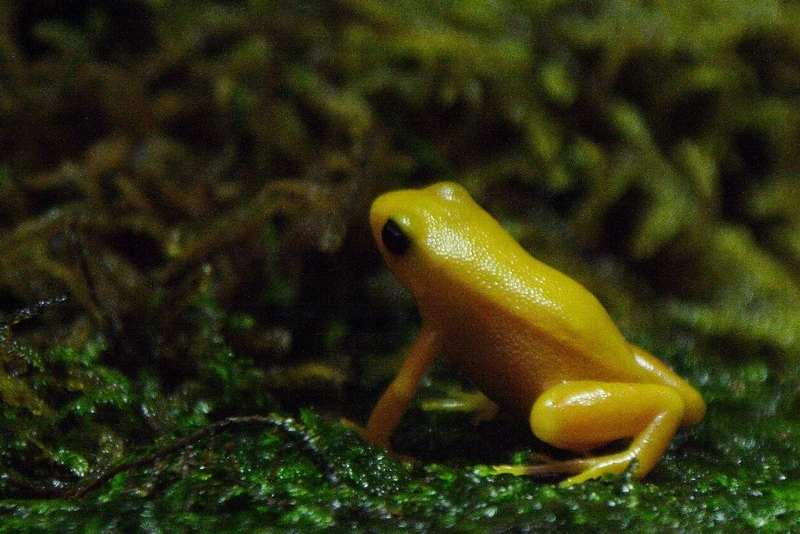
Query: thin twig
x=305, y=442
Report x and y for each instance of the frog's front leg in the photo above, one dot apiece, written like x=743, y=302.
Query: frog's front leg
x=584, y=415
x=393, y=404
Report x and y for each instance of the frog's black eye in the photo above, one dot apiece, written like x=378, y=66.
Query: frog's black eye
x=394, y=239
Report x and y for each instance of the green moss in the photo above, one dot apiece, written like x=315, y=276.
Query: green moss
x=275, y=473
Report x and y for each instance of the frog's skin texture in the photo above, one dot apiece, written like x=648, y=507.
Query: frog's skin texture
x=533, y=340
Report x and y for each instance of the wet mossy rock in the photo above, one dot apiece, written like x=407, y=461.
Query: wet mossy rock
x=190, y=299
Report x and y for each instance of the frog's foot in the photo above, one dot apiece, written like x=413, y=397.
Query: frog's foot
x=365, y=434
x=474, y=402
x=585, y=415
x=362, y=432
x=583, y=469
x=352, y=425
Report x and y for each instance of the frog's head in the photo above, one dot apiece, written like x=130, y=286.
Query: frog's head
x=431, y=237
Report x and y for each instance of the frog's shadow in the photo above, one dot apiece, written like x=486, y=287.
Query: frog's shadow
x=453, y=439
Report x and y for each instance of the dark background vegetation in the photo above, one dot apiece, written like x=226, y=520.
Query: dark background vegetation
x=191, y=298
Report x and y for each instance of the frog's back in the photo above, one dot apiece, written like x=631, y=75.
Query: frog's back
x=503, y=300
x=540, y=318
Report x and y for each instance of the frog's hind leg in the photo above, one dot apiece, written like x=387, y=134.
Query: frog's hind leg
x=584, y=415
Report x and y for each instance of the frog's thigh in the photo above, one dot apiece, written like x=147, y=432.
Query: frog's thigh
x=583, y=415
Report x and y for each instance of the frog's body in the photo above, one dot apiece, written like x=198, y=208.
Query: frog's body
x=532, y=339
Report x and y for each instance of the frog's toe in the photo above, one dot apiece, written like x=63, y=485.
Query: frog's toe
x=548, y=467
x=352, y=425
x=582, y=469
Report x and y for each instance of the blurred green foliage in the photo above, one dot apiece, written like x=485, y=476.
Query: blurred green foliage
x=195, y=178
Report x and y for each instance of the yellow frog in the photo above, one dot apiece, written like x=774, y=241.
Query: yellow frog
x=533, y=340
